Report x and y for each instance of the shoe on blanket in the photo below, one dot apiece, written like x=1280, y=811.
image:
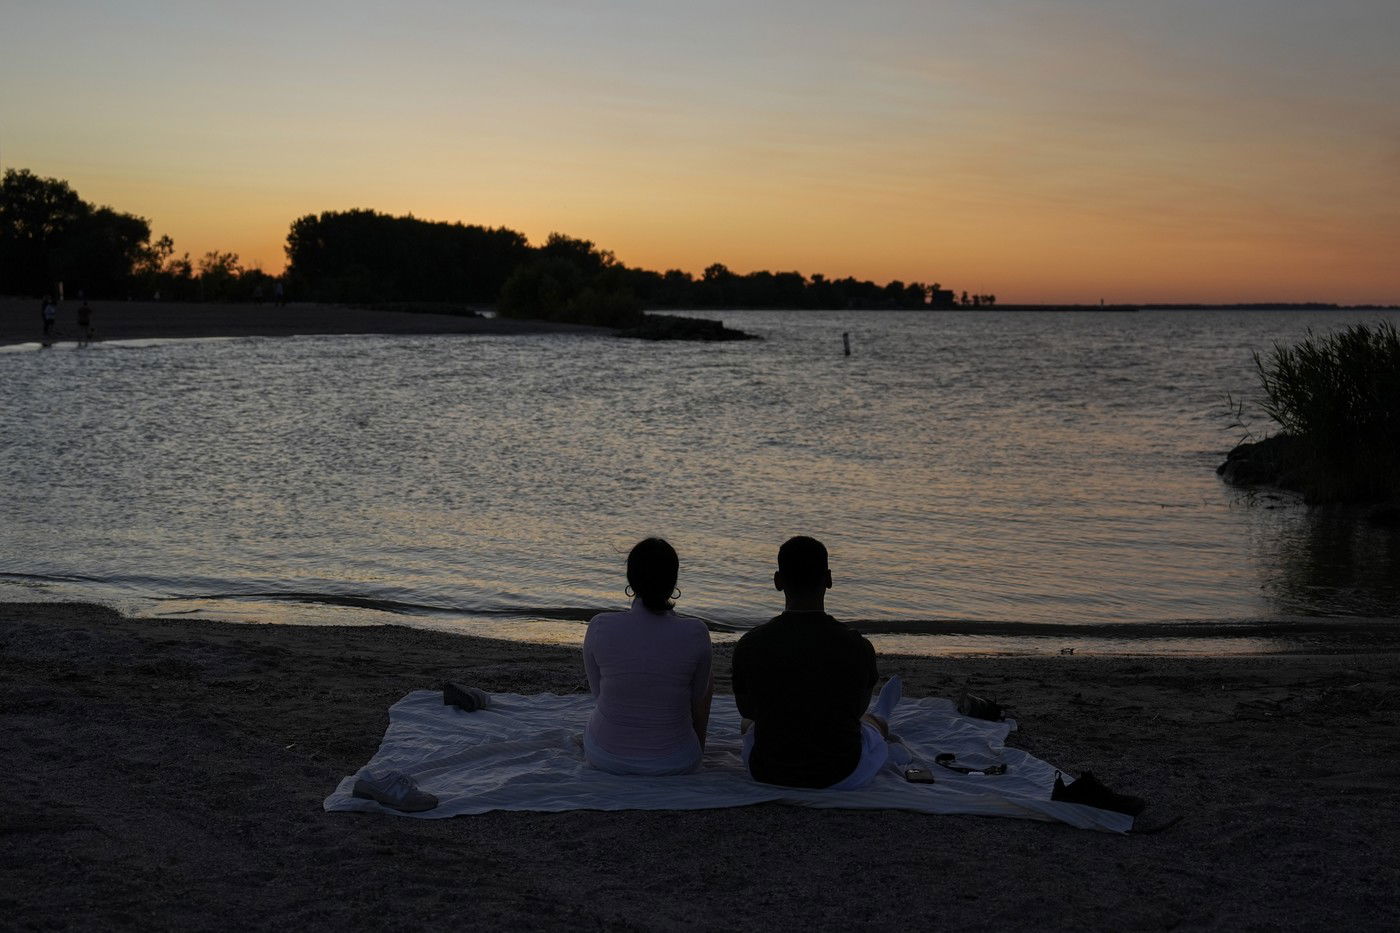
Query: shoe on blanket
x=979, y=708
x=1089, y=791
x=468, y=699
x=394, y=789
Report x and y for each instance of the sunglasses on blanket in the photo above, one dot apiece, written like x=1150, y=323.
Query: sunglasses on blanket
x=947, y=760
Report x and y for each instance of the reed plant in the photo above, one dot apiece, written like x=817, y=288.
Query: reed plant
x=1337, y=397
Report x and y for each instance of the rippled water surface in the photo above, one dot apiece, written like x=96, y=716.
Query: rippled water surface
x=1046, y=469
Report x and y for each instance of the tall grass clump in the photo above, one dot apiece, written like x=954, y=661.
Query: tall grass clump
x=1338, y=398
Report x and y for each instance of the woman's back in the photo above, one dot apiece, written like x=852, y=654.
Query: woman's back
x=647, y=671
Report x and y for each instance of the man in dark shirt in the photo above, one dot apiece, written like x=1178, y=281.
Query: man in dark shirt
x=805, y=680
x=84, y=323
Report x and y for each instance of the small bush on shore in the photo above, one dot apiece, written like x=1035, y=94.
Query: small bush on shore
x=555, y=289
x=1338, y=397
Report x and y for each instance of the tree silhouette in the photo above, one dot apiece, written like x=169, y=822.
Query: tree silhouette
x=219, y=275
x=49, y=235
x=361, y=255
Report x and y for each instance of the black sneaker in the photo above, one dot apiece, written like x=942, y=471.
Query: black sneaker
x=468, y=699
x=979, y=708
x=1090, y=792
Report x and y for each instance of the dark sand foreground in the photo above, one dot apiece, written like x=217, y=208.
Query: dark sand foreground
x=20, y=321
x=169, y=774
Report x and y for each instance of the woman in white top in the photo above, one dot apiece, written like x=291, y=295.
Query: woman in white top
x=649, y=670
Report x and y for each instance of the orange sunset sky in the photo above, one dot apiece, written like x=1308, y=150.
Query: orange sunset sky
x=1044, y=150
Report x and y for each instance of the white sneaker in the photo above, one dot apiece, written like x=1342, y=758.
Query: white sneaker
x=394, y=789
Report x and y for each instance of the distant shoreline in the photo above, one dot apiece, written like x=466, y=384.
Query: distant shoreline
x=136, y=320
x=20, y=321
x=1120, y=308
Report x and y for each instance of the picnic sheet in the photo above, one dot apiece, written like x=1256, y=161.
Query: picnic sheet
x=525, y=753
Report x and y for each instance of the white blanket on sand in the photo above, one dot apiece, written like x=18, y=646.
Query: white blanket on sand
x=524, y=754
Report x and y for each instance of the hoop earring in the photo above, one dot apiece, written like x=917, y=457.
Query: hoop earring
x=628, y=590
x=676, y=593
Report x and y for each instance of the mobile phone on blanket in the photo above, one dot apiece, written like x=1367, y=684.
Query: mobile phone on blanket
x=918, y=775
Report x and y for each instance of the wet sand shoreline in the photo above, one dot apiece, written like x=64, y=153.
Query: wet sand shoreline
x=169, y=773
x=133, y=320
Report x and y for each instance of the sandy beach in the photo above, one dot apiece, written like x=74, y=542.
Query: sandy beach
x=168, y=774
x=131, y=320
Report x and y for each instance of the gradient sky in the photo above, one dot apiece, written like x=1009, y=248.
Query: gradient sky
x=1058, y=150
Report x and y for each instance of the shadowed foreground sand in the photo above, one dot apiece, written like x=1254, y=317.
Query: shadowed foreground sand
x=170, y=774
x=20, y=321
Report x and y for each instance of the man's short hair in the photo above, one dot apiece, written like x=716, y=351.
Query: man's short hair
x=802, y=562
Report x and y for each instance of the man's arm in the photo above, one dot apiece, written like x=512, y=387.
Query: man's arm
x=740, y=678
x=869, y=677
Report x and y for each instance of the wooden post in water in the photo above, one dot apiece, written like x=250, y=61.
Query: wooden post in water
x=846, y=341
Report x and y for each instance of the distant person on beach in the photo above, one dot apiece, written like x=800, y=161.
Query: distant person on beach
x=649, y=671
x=49, y=312
x=805, y=681
x=279, y=295
x=85, y=322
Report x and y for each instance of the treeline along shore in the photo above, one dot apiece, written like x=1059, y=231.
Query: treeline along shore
x=53, y=242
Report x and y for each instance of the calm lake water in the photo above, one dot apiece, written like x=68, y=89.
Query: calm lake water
x=1031, y=481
